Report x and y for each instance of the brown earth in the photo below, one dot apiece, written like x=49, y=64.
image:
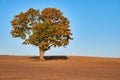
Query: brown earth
x=59, y=68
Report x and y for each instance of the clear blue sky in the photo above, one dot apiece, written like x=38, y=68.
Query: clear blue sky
x=95, y=25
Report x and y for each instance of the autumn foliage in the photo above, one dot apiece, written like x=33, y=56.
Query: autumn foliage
x=45, y=29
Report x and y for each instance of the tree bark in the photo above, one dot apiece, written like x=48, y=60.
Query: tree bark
x=41, y=54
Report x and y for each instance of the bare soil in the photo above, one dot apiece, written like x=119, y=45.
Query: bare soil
x=59, y=68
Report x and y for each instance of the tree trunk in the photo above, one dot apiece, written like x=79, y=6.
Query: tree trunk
x=41, y=54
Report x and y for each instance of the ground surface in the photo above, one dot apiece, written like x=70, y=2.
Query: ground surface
x=59, y=68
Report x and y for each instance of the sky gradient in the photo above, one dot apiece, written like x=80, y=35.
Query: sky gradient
x=95, y=25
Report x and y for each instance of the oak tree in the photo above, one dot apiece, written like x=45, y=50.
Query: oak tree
x=45, y=29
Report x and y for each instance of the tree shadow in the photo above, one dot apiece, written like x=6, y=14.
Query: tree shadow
x=50, y=57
